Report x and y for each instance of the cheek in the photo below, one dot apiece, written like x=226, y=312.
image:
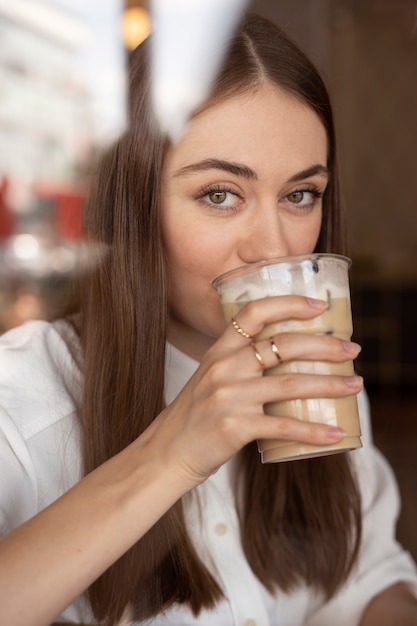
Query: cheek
x=191, y=250
x=306, y=240
x=185, y=257
x=192, y=265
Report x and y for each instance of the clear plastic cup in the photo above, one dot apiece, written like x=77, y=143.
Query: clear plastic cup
x=323, y=276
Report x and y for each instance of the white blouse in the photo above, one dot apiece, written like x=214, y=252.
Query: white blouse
x=40, y=459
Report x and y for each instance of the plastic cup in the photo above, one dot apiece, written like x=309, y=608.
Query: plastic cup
x=323, y=276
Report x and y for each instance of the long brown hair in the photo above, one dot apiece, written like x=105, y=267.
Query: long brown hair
x=300, y=522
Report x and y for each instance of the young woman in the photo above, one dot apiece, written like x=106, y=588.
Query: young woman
x=128, y=463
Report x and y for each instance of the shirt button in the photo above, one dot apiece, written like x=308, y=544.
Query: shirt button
x=221, y=529
x=249, y=622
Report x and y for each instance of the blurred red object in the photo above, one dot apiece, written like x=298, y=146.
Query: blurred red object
x=69, y=204
x=6, y=220
x=68, y=207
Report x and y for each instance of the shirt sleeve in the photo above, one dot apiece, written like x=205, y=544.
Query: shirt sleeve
x=18, y=487
x=382, y=561
x=38, y=439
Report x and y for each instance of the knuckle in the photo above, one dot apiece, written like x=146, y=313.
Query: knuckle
x=337, y=350
x=229, y=424
x=215, y=372
x=253, y=314
x=221, y=395
x=251, y=309
x=289, y=385
x=337, y=387
x=297, y=430
x=313, y=431
x=285, y=428
x=327, y=385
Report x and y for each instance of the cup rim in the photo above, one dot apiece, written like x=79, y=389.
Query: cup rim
x=279, y=260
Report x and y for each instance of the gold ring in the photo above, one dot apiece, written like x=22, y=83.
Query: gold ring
x=275, y=349
x=240, y=330
x=258, y=356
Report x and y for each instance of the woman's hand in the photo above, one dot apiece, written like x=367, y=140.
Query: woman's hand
x=221, y=408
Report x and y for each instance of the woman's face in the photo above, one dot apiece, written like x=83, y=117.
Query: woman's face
x=244, y=183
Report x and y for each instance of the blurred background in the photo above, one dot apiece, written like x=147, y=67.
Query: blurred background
x=366, y=51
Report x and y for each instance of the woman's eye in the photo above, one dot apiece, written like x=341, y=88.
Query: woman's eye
x=217, y=197
x=296, y=196
x=225, y=199
x=304, y=197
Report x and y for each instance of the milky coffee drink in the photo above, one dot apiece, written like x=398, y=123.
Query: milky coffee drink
x=322, y=276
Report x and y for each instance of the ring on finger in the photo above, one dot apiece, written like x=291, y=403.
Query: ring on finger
x=240, y=330
x=275, y=349
x=258, y=356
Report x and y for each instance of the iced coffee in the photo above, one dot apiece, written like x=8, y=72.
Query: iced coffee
x=322, y=276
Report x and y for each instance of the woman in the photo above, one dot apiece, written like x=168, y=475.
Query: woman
x=175, y=520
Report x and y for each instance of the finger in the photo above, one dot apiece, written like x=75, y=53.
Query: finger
x=292, y=429
x=288, y=386
x=286, y=347
x=252, y=318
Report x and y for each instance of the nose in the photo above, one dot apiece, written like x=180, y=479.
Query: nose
x=264, y=237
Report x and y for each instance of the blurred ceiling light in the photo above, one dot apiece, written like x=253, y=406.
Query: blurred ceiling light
x=136, y=26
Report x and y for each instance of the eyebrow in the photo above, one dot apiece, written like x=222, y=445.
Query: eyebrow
x=218, y=164
x=314, y=170
x=244, y=171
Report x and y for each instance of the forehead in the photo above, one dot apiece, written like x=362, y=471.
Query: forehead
x=253, y=128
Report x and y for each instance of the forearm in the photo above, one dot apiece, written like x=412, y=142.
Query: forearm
x=51, y=559
x=396, y=605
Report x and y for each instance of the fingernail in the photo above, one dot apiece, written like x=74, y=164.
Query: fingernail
x=334, y=432
x=354, y=381
x=317, y=304
x=351, y=347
